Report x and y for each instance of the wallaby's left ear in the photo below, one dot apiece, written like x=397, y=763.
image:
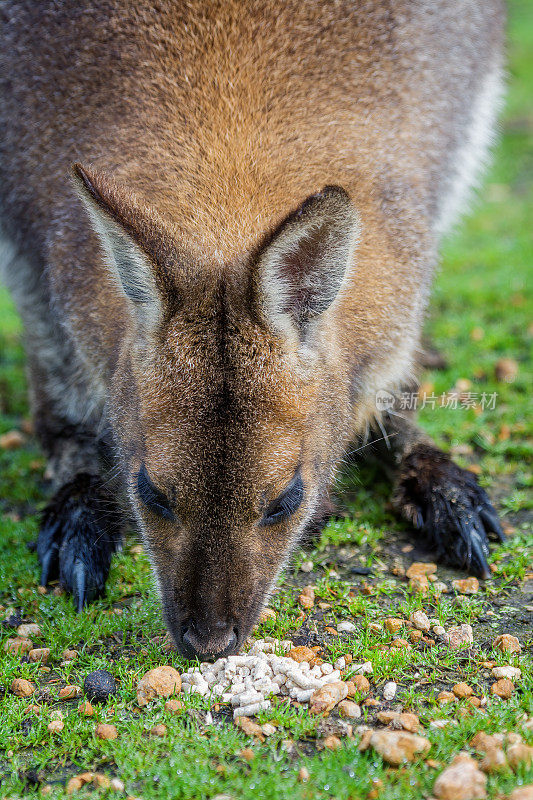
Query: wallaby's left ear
x=129, y=237
x=301, y=269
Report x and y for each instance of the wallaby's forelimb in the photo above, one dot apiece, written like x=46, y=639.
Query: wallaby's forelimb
x=440, y=499
x=80, y=531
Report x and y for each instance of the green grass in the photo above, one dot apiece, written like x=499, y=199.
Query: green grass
x=480, y=313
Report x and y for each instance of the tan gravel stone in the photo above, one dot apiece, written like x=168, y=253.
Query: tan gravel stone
x=174, y=706
x=248, y=754
x=69, y=655
x=267, y=614
x=506, y=370
x=357, y=684
x=249, y=727
x=522, y=793
x=22, y=688
x=159, y=730
x=513, y=673
x=303, y=775
x=86, y=709
x=29, y=629
x=466, y=585
x=332, y=742
x=11, y=440
x=420, y=620
x=421, y=568
x=507, y=643
x=55, y=726
x=462, y=780
x=462, y=690
x=18, y=644
x=393, y=624
x=300, y=654
x=520, y=753
x=326, y=697
x=494, y=760
x=406, y=720
x=502, y=688
x=70, y=691
x=401, y=644
x=349, y=709
x=459, y=635
x=159, y=682
x=105, y=731
x=484, y=741
x=397, y=747
x=39, y=654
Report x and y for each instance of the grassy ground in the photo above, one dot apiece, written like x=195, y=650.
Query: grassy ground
x=479, y=315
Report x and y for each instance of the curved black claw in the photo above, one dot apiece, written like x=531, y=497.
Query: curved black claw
x=80, y=531
x=447, y=504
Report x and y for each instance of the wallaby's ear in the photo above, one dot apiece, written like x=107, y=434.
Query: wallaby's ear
x=126, y=237
x=302, y=267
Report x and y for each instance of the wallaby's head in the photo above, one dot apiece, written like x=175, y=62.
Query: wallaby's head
x=226, y=401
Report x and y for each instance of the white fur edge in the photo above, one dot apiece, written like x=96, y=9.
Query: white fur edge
x=473, y=154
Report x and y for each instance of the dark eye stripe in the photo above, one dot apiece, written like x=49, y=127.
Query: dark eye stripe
x=287, y=503
x=152, y=496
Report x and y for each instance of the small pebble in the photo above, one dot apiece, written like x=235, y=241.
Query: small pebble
x=69, y=655
x=506, y=370
x=11, y=440
x=55, y=726
x=393, y=624
x=29, y=629
x=306, y=566
x=332, y=742
x=466, y=585
x=303, y=775
x=420, y=620
x=39, y=654
x=346, y=627
x=389, y=690
x=507, y=643
x=462, y=690
x=18, y=645
x=349, y=709
x=99, y=686
x=86, y=709
x=22, y=688
x=513, y=673
x=159, y=730
x=104, y=731
x=69, y=691
x=173, y=706
x=503, y=688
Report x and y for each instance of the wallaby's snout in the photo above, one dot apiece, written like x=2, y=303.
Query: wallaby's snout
x=213, y=640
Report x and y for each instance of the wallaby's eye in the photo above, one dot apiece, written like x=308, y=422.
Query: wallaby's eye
x=152, y=496
x=287, y=503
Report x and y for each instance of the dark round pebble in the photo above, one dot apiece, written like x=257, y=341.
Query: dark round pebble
x=99, y=685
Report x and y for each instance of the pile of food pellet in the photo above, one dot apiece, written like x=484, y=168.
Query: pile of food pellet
x=248, y=680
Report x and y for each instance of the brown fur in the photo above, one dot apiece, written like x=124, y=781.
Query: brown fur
x=202, y=127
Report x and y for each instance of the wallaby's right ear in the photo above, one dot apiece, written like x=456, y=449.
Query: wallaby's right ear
x=302, y=267
x=127, y=238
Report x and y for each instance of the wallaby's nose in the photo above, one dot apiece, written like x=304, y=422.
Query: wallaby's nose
x=209, y=641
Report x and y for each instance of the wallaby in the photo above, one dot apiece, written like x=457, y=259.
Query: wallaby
x=222, y=221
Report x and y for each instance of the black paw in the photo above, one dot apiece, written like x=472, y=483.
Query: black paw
x=447, y=504
x=80, y=531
